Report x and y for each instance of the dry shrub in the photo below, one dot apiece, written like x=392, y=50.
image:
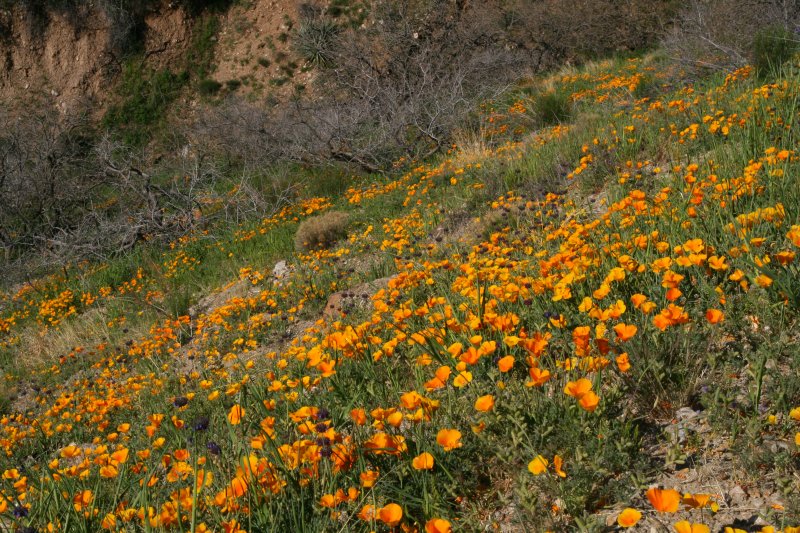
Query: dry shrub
x=720, y=34
x=321, y=231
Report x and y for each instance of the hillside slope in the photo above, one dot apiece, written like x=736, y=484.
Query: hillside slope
x=588, y=326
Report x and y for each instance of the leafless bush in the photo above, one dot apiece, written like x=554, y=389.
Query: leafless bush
x=553, y=32
x=395, y=87
x=401, y=83
x=68, y=196
x=718, y=34
x=45, y=175
x=321, y=231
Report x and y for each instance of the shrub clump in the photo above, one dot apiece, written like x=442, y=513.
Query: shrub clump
x=321, y=231
x=552, y=108
x=209, y=87
x=772, y=47
x=316, y=41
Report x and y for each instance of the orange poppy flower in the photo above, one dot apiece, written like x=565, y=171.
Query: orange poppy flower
x=438, y=525
x=449, y=439
x=109, y=521
x=109, y=471
x=577, y=389
x=558, y=462
x=328, y=500
x=484, y=403
x=423, y=461
x=538, y=376
x=696, y=501
x=685, y=527
x=628, y=517
x=119, y=456
x=625, y=331
x=538, y=465
x=70, y=452
x=673, y=294
x=589, y=401
x=390, y=514
x=235, y=415
x=359, y=416
x=763, y=281
x=238, y=486
x=717, y=263
x=181, y=455
x=664, y=500
x=367, y=512
x=623, y=362
x=463, y=379
x=714, y=316
x=368, y=478
x=506, y=363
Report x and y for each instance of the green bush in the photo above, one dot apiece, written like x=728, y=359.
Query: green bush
x=772, y=47
x=648, y=86
x=552, y=108
x=201, y=51
x=208, y=87
x=321, y=231
x=5, y=402
x=145, y=94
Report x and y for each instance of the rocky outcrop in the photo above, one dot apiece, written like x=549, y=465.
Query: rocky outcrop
x=71, y=57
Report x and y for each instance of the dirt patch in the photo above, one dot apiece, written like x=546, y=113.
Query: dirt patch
x=342, y=303
x=255, y=48
x=68, y=61
x=708, y=466
x=65, y=63
x=208, y=304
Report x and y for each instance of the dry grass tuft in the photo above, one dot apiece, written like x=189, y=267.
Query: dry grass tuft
x=321, y=231
x=43, y=347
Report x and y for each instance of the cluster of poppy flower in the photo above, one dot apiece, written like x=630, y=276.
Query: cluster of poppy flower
x=210, y=419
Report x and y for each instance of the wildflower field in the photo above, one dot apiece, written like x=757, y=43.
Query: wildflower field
x=590, y=325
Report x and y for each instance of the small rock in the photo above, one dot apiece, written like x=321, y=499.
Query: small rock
x=737, y=496
x=686, y=413
x=280, y=270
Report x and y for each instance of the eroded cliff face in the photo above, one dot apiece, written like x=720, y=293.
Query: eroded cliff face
x=71, y=57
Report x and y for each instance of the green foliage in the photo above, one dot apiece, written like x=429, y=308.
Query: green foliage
x=145, y=95
x=772, y=47
x=352, y=13
x=647, y=87
x=5, y=400
x=552, y=107
x=208, y=87
x=326, y=181
x=201, y=50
